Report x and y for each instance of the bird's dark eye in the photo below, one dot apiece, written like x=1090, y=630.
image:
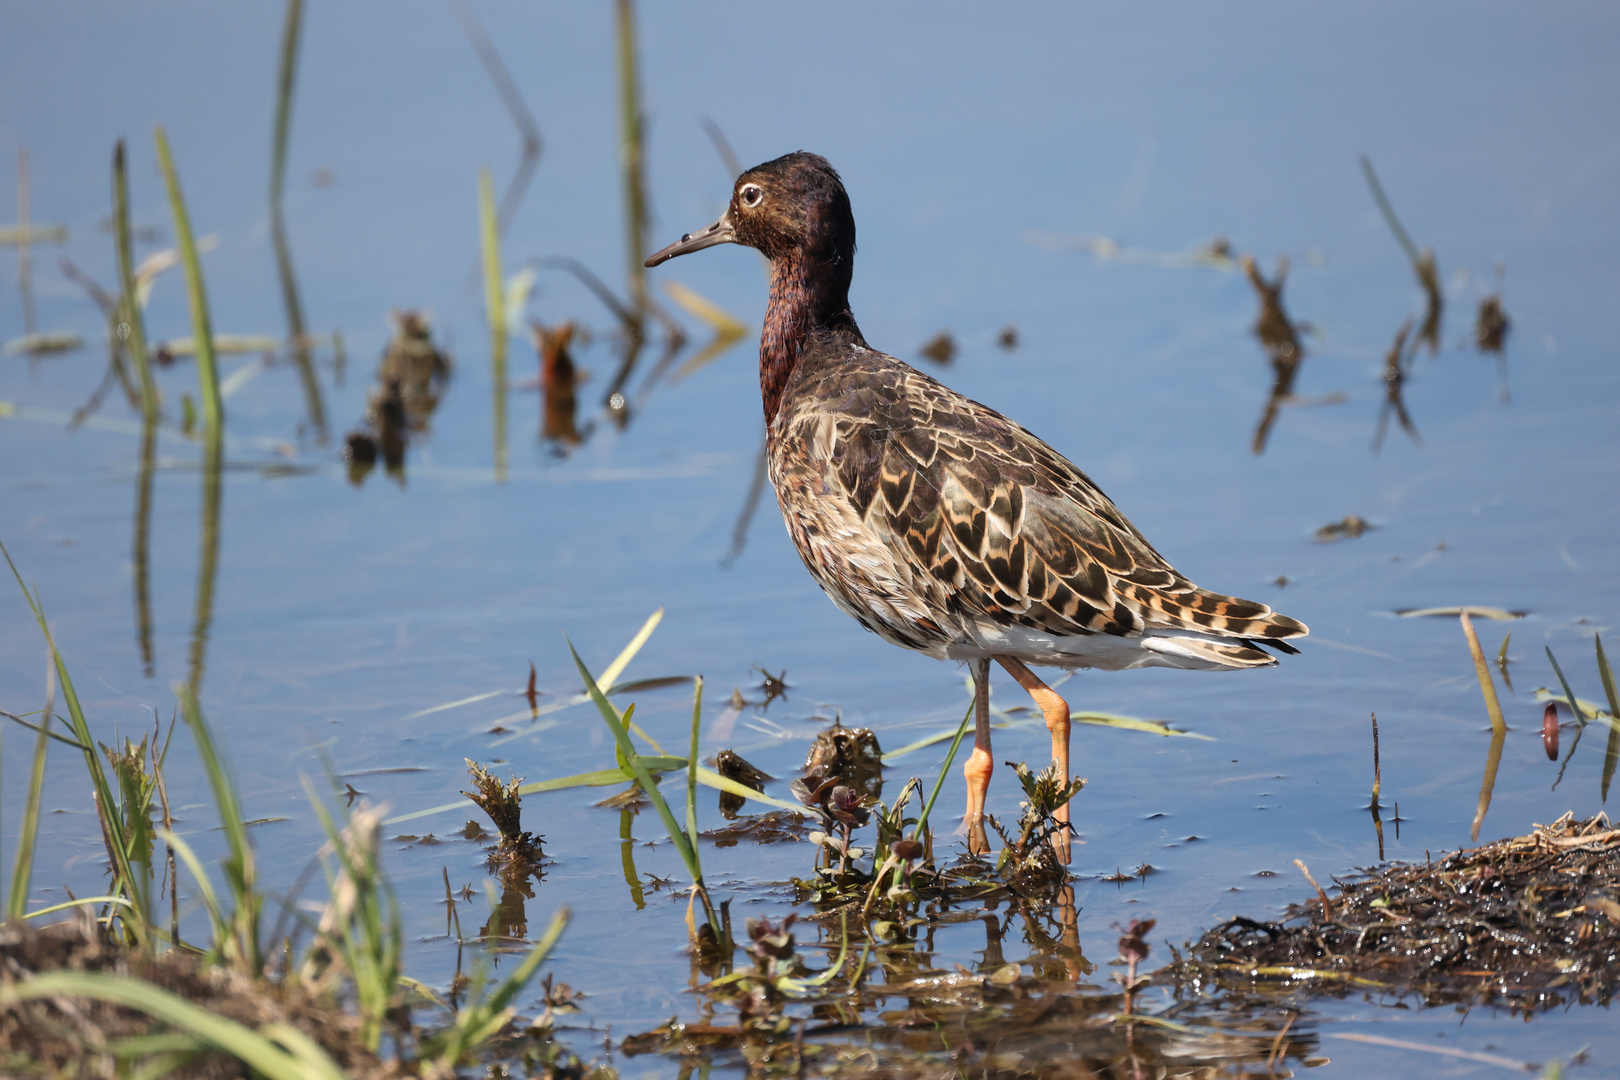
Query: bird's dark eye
x=751, y=195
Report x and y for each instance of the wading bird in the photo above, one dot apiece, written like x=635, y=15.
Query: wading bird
x=936, y=522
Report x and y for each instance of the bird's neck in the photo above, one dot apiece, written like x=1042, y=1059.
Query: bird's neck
x=809, y=300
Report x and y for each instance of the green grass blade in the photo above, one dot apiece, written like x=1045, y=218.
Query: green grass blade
x=56, y=735
x=22, y=873
x=129, y=308
x=239, y=866
x=227, y=1036
x=611, y=673
x=627, y=750
x=1611, y=756
x=928, y=808
x=83, y=901
x=1097, y=719
x=197, y=296
x=692, y=765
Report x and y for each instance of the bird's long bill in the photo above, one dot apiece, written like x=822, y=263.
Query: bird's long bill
x=718, y=233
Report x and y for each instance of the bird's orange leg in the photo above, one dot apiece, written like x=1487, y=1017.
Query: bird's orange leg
x=979, y=765
x=1056, y=711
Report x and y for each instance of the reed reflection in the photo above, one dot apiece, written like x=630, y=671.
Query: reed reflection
x=129, y=329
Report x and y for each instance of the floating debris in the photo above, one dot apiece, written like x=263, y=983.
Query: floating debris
x=1474, y=611
x=941, y=348
x=1348, y=529
x=1531, y=923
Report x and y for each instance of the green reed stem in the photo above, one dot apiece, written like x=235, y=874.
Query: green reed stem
x=197, y=296
x=928, y=808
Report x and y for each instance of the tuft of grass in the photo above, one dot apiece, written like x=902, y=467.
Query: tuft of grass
x=125, y=881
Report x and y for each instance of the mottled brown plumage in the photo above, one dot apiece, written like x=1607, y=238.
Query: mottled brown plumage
x=935, y=521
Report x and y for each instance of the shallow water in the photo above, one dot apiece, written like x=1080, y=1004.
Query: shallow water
x=968, y=143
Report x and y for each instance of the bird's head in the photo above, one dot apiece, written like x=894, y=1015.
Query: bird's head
x=795, y=203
